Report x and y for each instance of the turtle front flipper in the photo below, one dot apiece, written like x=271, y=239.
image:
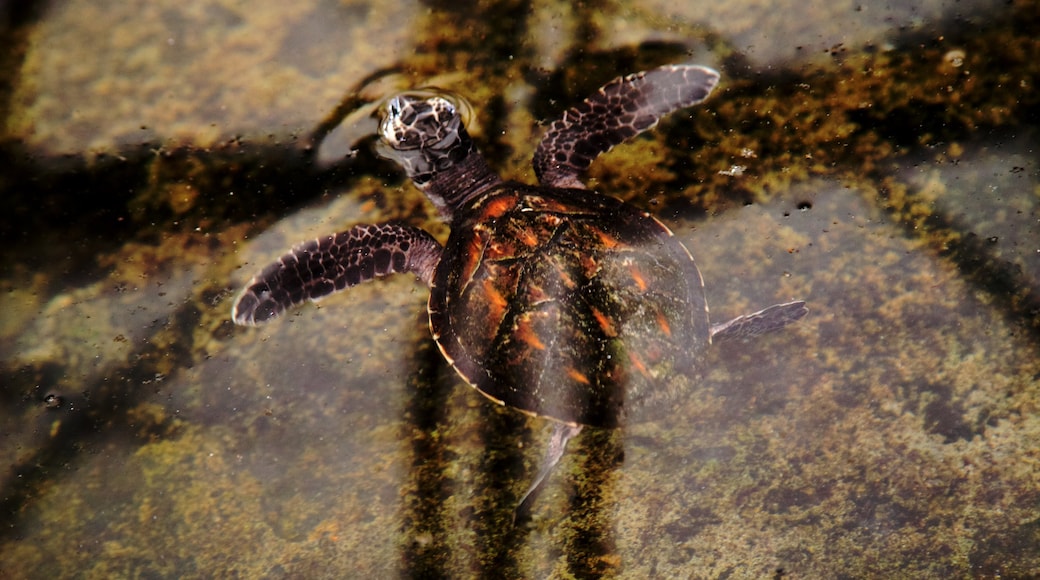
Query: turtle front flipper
x=317, y=268
x=766, y=320
x=621, y=109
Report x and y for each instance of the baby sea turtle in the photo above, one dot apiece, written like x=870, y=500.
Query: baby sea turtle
x=555, y=300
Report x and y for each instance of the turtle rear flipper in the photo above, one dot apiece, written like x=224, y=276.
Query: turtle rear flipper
x=766, y=320
x=561, y=434
x=317, y=268
x=621, y=109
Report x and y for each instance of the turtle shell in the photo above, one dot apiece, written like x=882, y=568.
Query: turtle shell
x=565, y=305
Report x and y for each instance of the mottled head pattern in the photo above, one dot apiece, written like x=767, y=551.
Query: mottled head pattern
x=424, y=135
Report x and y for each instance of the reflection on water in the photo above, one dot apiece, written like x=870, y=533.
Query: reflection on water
x=891, y=432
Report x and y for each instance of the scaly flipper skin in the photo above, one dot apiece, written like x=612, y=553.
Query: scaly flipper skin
x=622, y=109
x=561, y=434
x=767, y=320
x=317, y=268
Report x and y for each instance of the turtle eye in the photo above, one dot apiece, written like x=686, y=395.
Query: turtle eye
x=394, y=107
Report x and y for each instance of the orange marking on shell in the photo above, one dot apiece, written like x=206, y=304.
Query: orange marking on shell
x=528, y=238
x=604, y=322
x=638, y=363
x=498, y=207
x=590, y=266
x=550, y=220
x=527, y=335
x=637, y=276
x=536, y=294
x=578, y=376
x=496, y=302
x=567, y=280
x=498, y=250
x=607, y=240
x=474, y=254
x=555, y=205
x=472, y=258
x=663, y=323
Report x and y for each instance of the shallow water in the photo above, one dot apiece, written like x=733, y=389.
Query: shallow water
x=879, y=164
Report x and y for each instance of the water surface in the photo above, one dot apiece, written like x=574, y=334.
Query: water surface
x=878, y=163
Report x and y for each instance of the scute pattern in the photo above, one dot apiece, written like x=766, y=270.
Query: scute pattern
x=564, y=308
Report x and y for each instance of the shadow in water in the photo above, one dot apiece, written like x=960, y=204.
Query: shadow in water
x=426, y=552
x=504, y=433
x=87, y=411
x=591, y=547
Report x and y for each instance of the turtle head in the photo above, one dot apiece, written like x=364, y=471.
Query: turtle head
x=423, y=134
